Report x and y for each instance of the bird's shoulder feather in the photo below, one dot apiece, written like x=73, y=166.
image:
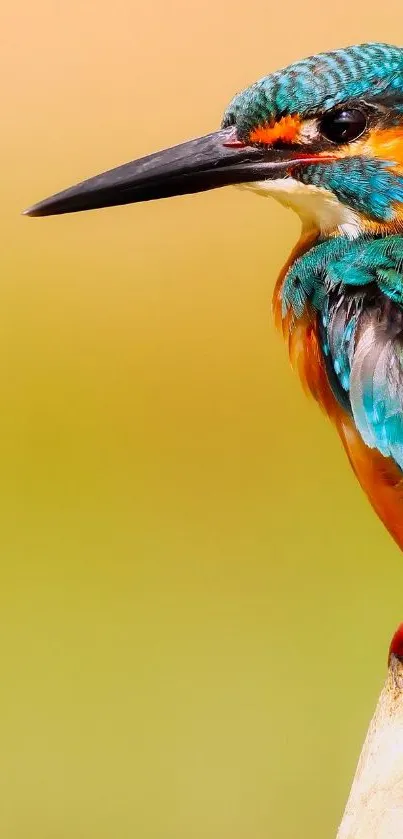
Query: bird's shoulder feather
x=345, y=338
x=361, y=323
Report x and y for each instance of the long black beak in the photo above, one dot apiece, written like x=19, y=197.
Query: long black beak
x=209, y=162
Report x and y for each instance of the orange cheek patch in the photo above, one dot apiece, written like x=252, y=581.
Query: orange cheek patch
x=286, y=129
x=385, y=144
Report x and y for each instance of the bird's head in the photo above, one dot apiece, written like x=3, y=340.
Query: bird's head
x=324, y=136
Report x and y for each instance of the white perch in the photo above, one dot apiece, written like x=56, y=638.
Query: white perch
x=374, y=809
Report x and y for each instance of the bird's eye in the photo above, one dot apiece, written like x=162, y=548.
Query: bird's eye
x=343, y=126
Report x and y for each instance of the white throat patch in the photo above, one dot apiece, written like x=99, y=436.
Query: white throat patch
x=317, y=207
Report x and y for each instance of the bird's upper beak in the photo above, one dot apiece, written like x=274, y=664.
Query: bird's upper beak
x=215, y=160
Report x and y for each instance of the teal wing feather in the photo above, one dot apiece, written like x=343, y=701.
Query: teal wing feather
x=362, y=338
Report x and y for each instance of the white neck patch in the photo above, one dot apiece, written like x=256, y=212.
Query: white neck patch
x=317, y=207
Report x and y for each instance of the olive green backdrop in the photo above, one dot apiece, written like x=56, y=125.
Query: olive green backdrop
x=195, y=597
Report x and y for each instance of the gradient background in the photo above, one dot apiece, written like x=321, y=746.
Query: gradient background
x=195, y=597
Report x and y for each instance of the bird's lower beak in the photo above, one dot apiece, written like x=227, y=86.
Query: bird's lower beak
x=209, y=162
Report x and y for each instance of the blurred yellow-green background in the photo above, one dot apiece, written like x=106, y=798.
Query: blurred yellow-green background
x=195, y=597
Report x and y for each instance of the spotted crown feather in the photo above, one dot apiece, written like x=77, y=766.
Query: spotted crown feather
x=318, y=83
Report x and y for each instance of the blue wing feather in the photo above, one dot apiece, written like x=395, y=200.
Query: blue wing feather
x=376, y=383
x=363, y=337
x=357, y=290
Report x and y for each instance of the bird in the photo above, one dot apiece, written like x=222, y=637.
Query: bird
x=374, y=809
x=323, y=136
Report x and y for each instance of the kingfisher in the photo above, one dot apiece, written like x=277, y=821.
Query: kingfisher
x=324, y=136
